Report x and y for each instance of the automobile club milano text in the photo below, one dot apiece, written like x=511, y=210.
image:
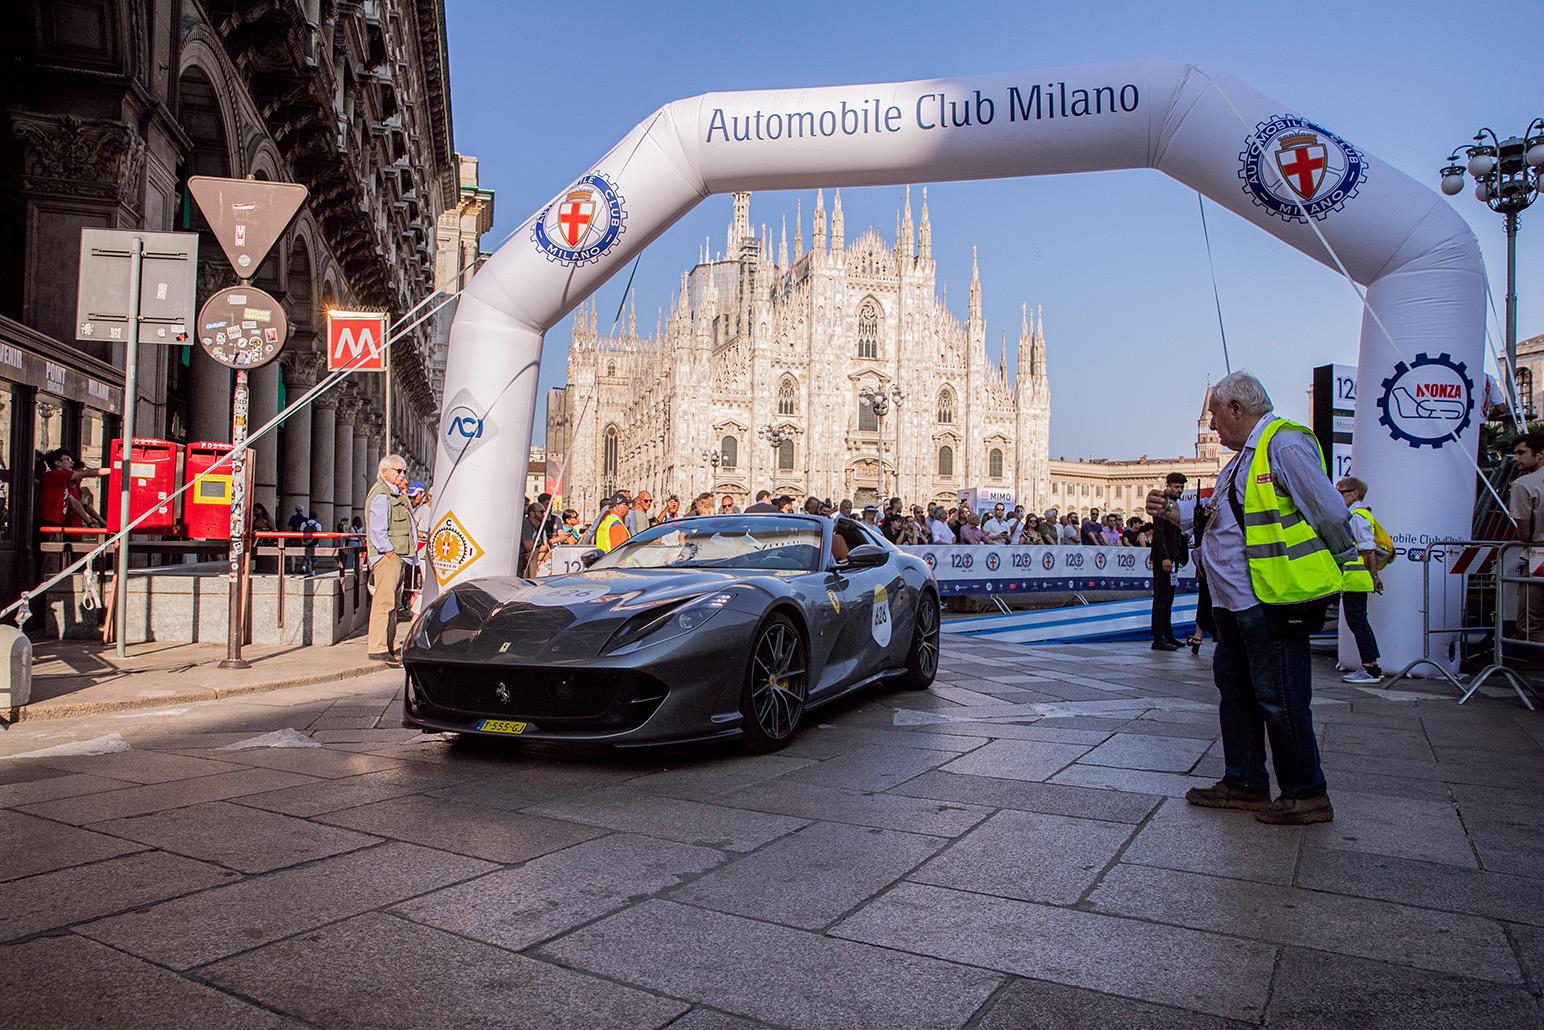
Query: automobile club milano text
x=932, y=111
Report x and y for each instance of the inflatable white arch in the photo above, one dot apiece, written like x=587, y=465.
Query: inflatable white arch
x=1422, y=331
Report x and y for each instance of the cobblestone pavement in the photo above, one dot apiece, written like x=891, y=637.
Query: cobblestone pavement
x=1009, y=849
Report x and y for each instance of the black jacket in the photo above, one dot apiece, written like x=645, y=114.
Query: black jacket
x=1168, y=543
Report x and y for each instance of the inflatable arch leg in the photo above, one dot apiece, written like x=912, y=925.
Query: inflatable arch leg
x=1422, y=334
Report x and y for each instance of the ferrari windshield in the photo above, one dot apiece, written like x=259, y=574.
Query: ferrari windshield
x=723, y=542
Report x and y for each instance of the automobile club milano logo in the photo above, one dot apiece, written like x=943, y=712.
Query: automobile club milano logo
x=584, y=224
x=1294, y=168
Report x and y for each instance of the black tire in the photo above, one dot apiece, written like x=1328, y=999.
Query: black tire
x=922, y=658
x=776, y=685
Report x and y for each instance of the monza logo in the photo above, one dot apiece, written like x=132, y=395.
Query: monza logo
x=931, y=559
x=1427, y=402
x=1149, y=562
x=1049, y=561
x=1099, y=560
x=992, y=561
x=465, y=426
x=1294, y=168
x=583, y=224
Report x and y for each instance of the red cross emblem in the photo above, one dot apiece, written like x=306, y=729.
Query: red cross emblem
x=575, y=215
x=1302, y=166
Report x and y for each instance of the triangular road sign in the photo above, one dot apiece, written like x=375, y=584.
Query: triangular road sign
x=247, y=215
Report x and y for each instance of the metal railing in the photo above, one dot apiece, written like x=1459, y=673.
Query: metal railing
x=1491, y=565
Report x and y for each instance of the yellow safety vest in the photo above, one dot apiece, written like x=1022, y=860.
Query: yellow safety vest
x=1288, y=563
x=1357, y=579
x=609, y=524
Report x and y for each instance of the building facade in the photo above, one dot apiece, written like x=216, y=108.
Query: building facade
x=760, y=339
x=1122, y=486
x=108, y=107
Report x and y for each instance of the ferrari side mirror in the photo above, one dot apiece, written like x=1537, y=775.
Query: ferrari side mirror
x=867, y=556
x=590, y=557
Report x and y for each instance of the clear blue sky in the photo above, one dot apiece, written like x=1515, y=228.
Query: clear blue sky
x=540, y=90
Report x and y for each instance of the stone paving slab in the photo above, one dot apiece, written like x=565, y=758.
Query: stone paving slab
x=357, y=974
x=484, y=833
x=1204, y=840
x=30, y=845
x=236, y=837
x=1203, y=972
x=1029, y=856
x=785, y=976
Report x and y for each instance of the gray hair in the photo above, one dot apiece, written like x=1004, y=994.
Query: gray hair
x=389, y=461
x=1244, y=388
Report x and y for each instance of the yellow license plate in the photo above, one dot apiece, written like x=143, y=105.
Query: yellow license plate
x=501, y=726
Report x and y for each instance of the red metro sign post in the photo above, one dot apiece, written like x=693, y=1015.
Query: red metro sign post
x=356, y=341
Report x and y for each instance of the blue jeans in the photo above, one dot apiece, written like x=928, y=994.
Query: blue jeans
x=1266, y=683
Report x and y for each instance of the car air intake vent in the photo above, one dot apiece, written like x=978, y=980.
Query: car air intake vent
x=579, y=699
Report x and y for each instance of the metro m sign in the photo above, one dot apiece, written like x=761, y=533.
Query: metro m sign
x=356, y=340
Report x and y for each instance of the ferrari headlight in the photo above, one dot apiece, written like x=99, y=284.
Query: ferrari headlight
x=699, y=612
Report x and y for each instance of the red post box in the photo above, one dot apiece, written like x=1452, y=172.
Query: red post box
x=152, y=480
x=208, y=505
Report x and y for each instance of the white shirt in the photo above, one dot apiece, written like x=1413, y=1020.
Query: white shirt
x=996, y=528
x=940, y=532
x=1361, y=529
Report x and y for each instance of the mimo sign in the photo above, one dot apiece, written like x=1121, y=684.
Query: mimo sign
x=356, y=340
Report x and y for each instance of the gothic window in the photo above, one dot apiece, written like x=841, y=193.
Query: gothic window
x=611, y=369
x=994, y=464
x=731, y=452
x=609, y=461
x=946, y=461
x=785, y=456
x=868, y=422
x=868, y=331
x=946, y=406
x=785, y=397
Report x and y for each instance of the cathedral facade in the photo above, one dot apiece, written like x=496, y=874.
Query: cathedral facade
x=760, y=346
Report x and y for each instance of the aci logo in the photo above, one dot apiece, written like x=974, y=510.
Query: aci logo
x=584, y=224
x=1292, y=167
x=1427, y=402
x=465, y=426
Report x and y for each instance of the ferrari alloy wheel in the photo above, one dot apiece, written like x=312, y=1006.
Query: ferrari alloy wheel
x=922, y=659
x=776, y=685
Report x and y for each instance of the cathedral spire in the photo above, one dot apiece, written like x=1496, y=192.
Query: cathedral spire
x=838, y=237
x=819, y=232
x=975, y=288
x=906, y=239
x=925, y=250
x=1037, y=363
x=798, y=229
x=632, y=315
x=740, y=231
x=782, y=246
x=1002, y=363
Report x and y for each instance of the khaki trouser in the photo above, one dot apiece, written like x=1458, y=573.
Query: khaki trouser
x=1530, y=611
x=387, y=575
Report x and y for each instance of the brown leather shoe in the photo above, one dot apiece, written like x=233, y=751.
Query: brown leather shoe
x=1286, y=811
x=1224, y=795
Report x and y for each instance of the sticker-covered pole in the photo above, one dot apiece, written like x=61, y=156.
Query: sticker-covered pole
x=126, y=457
x=233, y=659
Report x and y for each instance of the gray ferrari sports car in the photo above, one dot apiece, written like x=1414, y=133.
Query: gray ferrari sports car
x=718, y=627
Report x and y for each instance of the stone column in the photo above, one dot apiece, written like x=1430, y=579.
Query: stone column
x=364, y=472
x=264, y=405
x=343, y=460
x=209, y=399
x=324, y=429
x=373, y=450
x=300, y=371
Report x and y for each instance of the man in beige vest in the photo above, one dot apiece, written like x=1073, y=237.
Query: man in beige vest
x=391, y=541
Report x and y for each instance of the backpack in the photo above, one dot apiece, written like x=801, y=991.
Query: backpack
x=1383, y=544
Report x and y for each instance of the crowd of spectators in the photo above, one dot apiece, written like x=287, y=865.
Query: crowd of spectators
x=936, y=525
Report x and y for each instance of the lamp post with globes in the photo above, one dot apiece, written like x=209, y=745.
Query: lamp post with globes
x=876, y=398
x=715, y=459
x=775, y=437
x=1506, y=179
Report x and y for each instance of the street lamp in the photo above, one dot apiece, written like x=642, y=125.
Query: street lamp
x=1506, y=179
x=876, y=398
x=775, y=437
x=715, y=459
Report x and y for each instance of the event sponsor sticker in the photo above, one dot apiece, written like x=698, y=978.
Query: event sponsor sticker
x=451, y=549
x=880, y=624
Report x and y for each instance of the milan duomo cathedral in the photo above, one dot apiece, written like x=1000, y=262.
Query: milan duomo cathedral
x=760, y=341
